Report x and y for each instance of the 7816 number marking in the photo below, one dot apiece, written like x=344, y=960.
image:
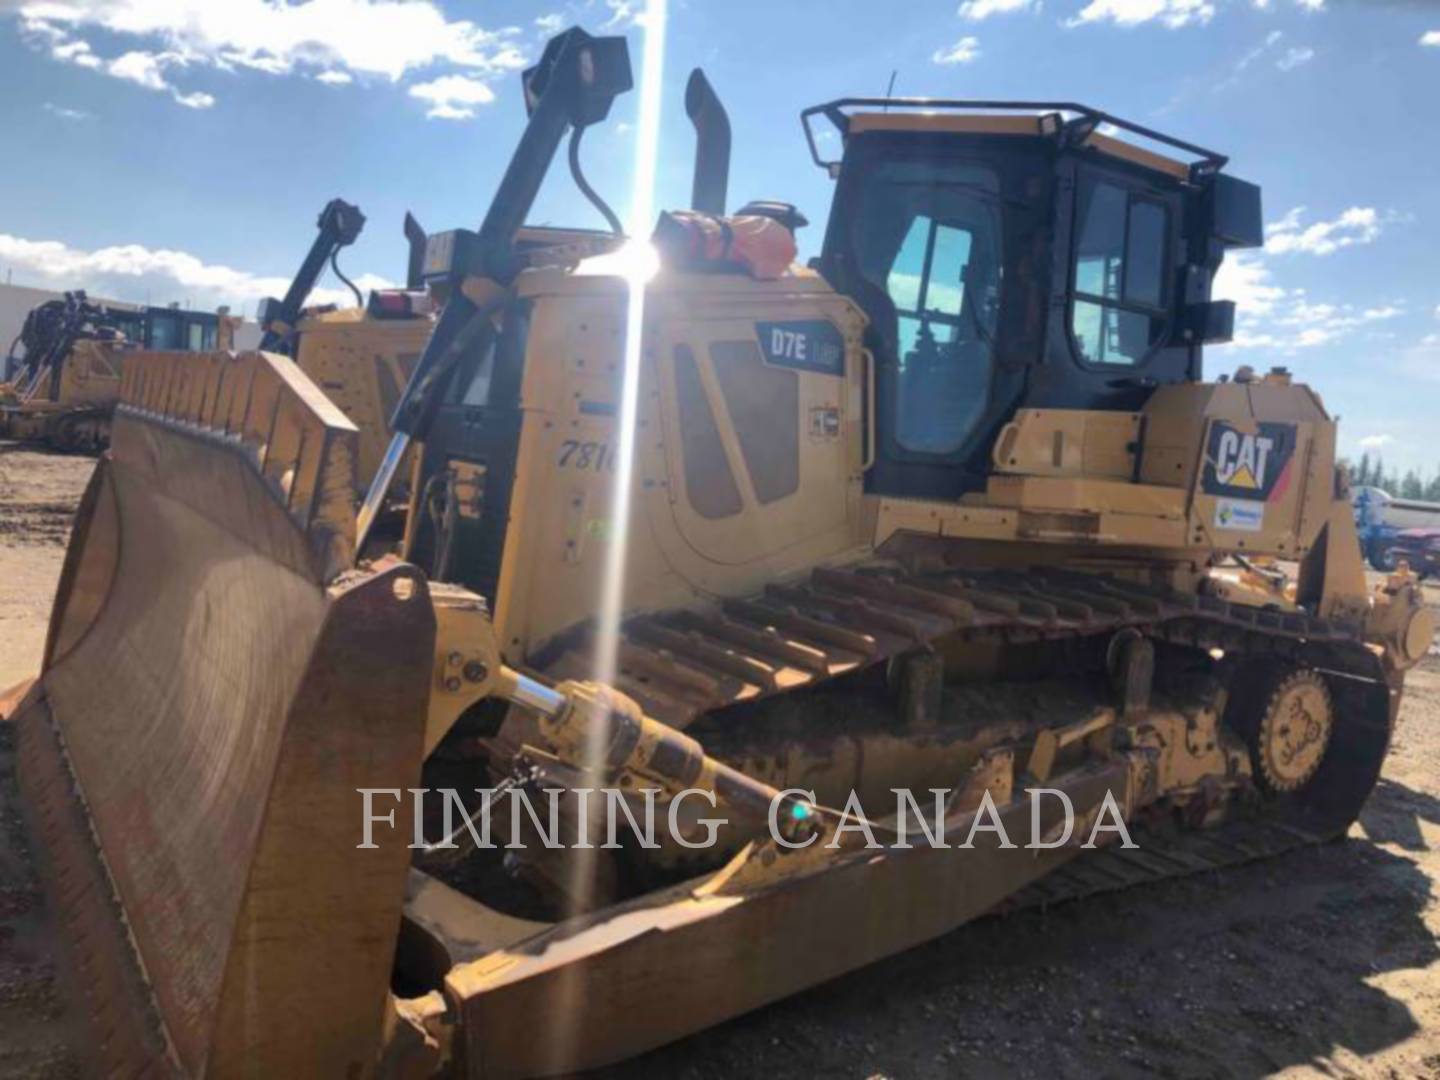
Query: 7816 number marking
x=586, y=455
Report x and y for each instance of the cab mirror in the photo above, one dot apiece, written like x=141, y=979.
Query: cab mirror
x=1235, y=216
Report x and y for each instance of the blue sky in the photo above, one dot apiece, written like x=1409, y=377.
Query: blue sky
x=180, y=149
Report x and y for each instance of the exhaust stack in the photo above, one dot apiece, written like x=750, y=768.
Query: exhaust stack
x=712, y=144
x=415, y=265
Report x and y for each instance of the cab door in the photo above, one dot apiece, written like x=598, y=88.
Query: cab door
x=919, y=243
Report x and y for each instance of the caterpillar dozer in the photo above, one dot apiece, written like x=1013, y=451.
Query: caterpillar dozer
x=362, y=356
x=65, y=387
x=952, y=510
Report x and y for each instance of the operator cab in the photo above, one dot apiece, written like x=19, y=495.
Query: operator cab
x=1011, y=255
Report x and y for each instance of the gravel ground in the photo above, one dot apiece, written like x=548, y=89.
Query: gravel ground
x=38, y=496
x=1320, y=963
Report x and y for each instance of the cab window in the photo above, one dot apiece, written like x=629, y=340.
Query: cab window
x=930, y=237
x=1118, y=311
x=165, y=332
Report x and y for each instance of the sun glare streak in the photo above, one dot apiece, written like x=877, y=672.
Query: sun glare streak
x=637, y=262
x=641, y=264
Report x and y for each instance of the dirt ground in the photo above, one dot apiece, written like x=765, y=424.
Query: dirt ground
x=38, y=495
x=1320, y=963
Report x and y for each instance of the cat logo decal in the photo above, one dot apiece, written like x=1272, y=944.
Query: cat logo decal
x=1248, y=464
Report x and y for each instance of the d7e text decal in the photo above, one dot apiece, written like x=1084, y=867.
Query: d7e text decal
x=807, y=344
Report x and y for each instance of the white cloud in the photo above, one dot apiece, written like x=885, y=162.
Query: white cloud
x=551, y=24
x=623, y=15
x=1244, y=278
x=1357, y=225
x=1289, y=222
x=135, y=273
x=453, y=97
x=335, y=78
x=1294, y=57
x=1247, y=59
x=197, y=100
x=383, y=38
x=1171, y=13
x=963, y=51
x=64, y=113
x=1431, y=38
x=141, y=68
x=376, y=37
x=1376, y=442
x=975, y=10
x=1270, y=316
x=148, y=70
x=76, y=52
x=1319, y=324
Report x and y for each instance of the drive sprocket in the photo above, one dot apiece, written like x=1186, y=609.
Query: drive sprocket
x=1294, y=730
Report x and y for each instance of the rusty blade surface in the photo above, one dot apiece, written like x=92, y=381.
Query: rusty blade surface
x=212, y=696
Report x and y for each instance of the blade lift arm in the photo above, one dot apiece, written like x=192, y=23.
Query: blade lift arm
x=573, y=85
x=339, y=224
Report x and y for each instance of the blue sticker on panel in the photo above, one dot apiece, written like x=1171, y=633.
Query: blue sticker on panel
x=806, y=344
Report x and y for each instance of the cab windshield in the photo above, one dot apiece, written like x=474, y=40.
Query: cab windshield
x=929, y=236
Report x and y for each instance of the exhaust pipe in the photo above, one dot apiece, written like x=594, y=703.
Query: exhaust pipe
x=415, y=237
x=712, y=144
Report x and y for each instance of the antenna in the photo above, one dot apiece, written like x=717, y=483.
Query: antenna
x=890, y=90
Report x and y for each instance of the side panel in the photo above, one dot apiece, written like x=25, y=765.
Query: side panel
x=1258, y=459
x=797, y=494
x=757, y=458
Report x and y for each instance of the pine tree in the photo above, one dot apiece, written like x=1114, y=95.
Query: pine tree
x=1362, y=474
x=1412, y=487
x=1432, y=489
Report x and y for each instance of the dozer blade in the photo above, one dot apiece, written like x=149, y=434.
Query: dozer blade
x=217, y=683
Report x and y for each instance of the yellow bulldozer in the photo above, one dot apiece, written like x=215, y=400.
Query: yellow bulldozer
x=63, y=389
x=946, y=530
